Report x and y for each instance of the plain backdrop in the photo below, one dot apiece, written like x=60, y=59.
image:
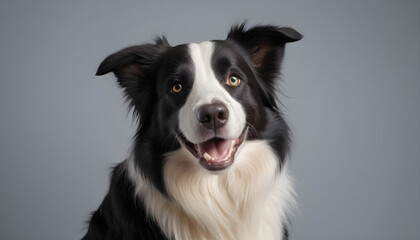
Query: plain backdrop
x=352, y=98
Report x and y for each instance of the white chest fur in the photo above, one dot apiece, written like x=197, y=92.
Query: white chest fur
x=248, y=201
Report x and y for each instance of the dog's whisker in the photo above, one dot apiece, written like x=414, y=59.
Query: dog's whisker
x=171, y=140
x=251, y=129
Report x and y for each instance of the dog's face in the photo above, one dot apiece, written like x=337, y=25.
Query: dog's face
x=209, y=97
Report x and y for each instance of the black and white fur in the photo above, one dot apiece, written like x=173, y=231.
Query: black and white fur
x=208, y=160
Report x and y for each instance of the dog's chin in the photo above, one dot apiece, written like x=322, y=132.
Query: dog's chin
x=215, y=154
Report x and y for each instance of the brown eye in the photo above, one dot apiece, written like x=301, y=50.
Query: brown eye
x=176, y=87
x=233, y=81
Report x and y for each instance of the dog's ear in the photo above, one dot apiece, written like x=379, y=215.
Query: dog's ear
x=134, y=68
x=265, y=46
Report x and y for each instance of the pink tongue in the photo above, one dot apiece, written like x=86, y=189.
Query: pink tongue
x=216, y=147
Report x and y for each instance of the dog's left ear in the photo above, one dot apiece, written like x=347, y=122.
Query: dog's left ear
x=265, y=47
x=265, y=44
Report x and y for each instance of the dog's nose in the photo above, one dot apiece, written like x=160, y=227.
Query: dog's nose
x=213, y=116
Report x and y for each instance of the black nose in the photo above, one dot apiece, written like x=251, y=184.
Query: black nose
x=213, y=116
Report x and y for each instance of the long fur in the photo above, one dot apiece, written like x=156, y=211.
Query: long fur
x=239, y=205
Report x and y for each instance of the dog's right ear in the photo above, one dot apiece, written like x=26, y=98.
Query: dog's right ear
x=134, y=68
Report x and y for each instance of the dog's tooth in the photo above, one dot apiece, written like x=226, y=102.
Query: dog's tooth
x=207, y=156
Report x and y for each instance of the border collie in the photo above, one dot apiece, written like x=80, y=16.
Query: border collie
x=208, y=160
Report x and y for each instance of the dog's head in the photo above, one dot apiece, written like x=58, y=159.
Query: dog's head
x=208, y=97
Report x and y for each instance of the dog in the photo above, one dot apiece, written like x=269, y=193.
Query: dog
x=209, y=154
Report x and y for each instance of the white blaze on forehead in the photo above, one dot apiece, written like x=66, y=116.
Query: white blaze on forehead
x=207, y=89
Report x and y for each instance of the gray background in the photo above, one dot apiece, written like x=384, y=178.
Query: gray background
x=353, y=95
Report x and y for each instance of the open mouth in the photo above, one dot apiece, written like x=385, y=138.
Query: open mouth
x=216, y=153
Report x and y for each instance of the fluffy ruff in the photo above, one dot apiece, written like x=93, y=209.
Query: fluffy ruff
x=250, y=201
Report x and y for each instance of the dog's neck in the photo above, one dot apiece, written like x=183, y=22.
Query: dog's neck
x=248, y=201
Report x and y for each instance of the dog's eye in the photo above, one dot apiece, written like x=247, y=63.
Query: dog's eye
x=176, y=87
x=233, y=81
